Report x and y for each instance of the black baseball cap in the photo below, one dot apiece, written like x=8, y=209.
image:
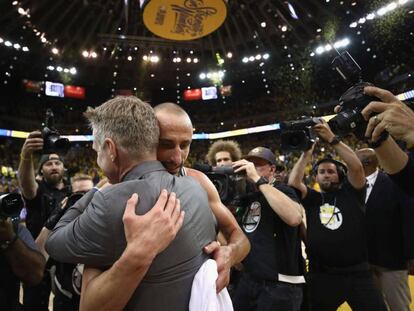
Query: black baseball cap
x=262, y=153
x=46, y=157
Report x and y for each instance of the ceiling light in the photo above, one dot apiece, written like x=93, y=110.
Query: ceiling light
x=318, y=30
x=1, y=40
x=162, y=89
x=16, y=46
x=73, y=70
x=59, y=68
x=178, y=60
x=370, y=16
x=229, y=55
x=362, y=20
x=50, y=68
x=94, y=55
x=154, y=59
x=85, y=54
x=129, y=58
x=55, y=51
x=21, y=11
x=284, y=28
x=66, y=70
x=245, y=60
x=145, y=57
x=319, y=50
x=258, y=56
x=266, y=56
x=328, y=47
x=15, y=2
x=8, y=43
x=188, y=60
x=353, y=25
x=312, y=54
x=263, y=24
x=251, y=58
x=25, y=49
x=188, y=74
x=195, y=60
x=43, y=39
x=152, y=75
x=202, y=76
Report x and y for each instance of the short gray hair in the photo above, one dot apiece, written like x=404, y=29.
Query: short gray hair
x=130, y=122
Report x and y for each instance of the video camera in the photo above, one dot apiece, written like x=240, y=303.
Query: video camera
x=298, y=135
x=231, y=186
x=52, y=142
x=353, y=101
x=10, y=206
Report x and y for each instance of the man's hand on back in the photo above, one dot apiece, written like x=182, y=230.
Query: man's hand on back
x=150, y=234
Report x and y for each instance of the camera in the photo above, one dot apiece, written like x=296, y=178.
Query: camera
x=10, y=205
x=298, y=135
x=353, y=101
x=232, y=187
x=52, y=142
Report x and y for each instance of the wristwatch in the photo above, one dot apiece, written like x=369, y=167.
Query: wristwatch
x=5, y=245
x=261, y=181
x=334, y=141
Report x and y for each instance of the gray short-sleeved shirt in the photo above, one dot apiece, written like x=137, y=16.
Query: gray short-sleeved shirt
x=92, y=232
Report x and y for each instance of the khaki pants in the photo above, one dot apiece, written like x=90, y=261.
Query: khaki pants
x=394, y=286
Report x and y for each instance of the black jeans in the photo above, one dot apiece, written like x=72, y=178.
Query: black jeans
x=36, y=298
x=327, y=291
x=255, y=295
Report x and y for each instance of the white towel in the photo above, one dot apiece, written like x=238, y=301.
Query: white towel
x=203, y=291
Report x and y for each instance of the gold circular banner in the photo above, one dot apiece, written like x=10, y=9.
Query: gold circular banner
x=184, y=19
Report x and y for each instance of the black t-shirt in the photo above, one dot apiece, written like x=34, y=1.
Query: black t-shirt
x=9, y=283
x=336, y=226
x=39, y=208
x=275, y=246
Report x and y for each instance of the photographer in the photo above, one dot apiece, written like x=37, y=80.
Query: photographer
x=337, y=243
x=19, y=261
x=66, y=278
x=273, y=274
x=41, y=198
x=398, y=120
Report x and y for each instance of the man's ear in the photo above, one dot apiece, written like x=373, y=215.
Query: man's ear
x=113, y=151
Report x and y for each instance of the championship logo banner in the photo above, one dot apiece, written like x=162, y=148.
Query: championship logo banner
x=184, y=19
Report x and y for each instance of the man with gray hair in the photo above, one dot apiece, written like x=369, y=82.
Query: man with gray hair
x=133, y=267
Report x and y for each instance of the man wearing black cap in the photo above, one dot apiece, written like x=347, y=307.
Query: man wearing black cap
x=336, y=234
x=41, y=198
x=273, y=273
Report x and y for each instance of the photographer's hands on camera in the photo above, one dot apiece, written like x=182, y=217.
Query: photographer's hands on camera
x=248, y=167
x=392, y=116
x=324, y=132
x=33, y=142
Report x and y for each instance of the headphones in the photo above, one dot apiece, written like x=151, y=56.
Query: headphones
x=340, y=167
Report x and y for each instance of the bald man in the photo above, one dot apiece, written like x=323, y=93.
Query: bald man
x=389, y=218
x=176, y=132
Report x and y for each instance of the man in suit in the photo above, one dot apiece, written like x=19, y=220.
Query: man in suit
x=389, y=216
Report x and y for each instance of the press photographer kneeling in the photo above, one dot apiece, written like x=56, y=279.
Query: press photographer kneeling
x=19, y=258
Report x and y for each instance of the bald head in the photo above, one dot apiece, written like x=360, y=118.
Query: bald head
x=167, y=110
x=176, y=132
x=368, y=159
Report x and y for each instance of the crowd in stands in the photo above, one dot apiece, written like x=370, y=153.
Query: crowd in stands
x=81, y=158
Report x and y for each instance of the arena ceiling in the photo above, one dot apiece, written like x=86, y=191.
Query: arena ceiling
x=107, y=41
